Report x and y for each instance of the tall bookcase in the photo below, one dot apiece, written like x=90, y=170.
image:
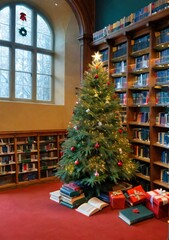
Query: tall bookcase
x=29, y=157
x=138, y=64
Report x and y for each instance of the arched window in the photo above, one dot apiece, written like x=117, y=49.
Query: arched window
x=26, y=55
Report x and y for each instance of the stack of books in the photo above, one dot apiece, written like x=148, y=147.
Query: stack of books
x=69, y=195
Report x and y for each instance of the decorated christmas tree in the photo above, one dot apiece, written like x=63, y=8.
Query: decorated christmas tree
x=96, y=150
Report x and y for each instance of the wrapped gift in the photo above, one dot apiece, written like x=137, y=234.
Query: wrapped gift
x=158, y=202
x=117, y=199
x=136, y=195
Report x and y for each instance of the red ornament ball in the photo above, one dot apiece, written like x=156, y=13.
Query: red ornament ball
x=120, y=163
x=96, y=76
x=72, y=149
x=76, y=162
x=96, y=174
x=120, y=130
x=97, y=145
x=108, y=83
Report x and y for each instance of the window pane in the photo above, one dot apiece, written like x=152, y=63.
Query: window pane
x=44, y=63
x=43, y=88
x=44, y=36
x=4, y=23
x=44, y=66
x=23, y=74
x=4, y=72
x=23, y=28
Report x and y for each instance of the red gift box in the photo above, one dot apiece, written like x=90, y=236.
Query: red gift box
x=136, y=195
x=117, y=199
x=158, y=202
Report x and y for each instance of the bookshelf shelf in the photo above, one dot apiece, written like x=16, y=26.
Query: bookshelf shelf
x=138, y=64
x=140, y=175
x=29, y=157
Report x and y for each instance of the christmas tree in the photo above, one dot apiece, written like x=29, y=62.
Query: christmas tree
x=96, y=150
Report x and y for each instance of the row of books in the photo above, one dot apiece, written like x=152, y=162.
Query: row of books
x=165, y=175
x=142, y=134
x=27, y=158
x=140, y=98
x=142, y=80
x=140, y=43
x=141, y=151
x=165, y=156
x=7, y=169
x=120, y=83
x=162, y=36
x=123, y=99
x=141, y=62
x=27, y=167
x=142, y=13
x=7, y=159
x=120, y=50
x=162, y=118
x=6, y=141
x=142, y=117
x=163, y=57
x=163, y=138
x=104, y=54
x=162, y=77
x=123, y=116
x=162, y=97
x=27, y=148
x=28, y=176
x=119, y=67
x=6, y=149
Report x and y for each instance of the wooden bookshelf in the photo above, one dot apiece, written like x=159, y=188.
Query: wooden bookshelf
x=138, y=64
x=29, y=157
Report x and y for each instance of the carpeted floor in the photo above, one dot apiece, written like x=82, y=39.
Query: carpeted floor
x=28, y=214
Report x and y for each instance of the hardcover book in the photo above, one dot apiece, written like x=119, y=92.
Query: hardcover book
x=135, y=214
x=55, y=196
x=93, y=205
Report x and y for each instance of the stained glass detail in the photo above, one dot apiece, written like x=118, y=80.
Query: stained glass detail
x=4, y=72
x=23, y=25
x=5, y=24
x=23, y=74
x=44, y=36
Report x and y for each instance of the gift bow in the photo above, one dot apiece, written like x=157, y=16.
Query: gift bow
x=137, y=194
x=116, y=193
x=159, y=194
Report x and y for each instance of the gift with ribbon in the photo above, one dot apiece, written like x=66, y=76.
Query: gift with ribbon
x=136, y=195
x=117, y=199
x=158, y=202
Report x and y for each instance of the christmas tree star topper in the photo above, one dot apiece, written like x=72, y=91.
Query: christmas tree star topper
x=97, y=57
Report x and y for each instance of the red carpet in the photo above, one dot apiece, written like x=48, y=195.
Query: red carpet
x=28, y=214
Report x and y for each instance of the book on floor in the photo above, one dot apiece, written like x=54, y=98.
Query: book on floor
x=93, y=205
x=55, y=196
x=135, y=214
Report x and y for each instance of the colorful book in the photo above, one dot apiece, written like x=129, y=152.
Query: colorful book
x=135, y=214
x=69, y=192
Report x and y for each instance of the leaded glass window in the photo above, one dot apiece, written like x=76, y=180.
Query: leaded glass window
x=26, y=54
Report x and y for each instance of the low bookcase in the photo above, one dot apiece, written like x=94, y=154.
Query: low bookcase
x=29, y=156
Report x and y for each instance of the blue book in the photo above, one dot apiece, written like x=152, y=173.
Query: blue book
x=135, y=214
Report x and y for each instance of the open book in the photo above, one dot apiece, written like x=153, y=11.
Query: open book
x=92, y=206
